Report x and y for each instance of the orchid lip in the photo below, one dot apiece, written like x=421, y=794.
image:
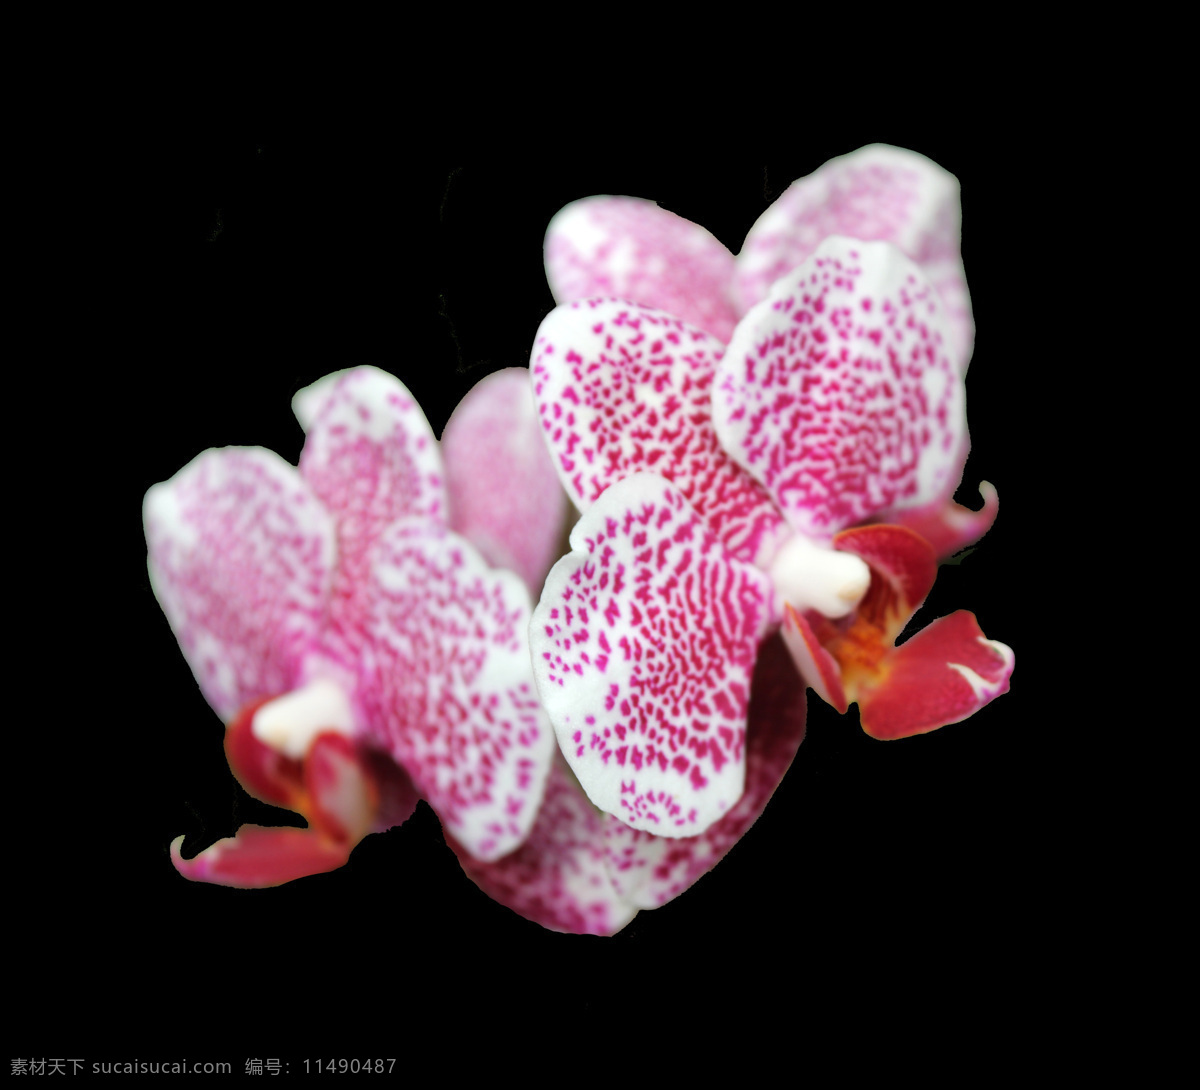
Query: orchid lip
x=289, y=723
x=981, y=687
x=809, y=575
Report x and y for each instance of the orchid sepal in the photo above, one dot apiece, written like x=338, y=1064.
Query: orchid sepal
x=877, y=193
x=630, y=248
x=500, y=480
x=241, y=557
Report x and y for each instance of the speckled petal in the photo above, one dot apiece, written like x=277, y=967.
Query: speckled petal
x=449, y=686
x=504, y=493
x=371, y=459
x=241, y=556
x=942, y=675
x=623, y=389
x=878, y=193
x=643, y=646
x=559, y=877
x=628, y=248
x=651, y=870
x=838, y=391
x=949, y=279
x=308, y=401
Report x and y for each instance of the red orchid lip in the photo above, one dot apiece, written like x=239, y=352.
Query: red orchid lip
x=335, y=786
x=943, y=675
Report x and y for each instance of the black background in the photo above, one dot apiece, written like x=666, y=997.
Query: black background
x=237, y=264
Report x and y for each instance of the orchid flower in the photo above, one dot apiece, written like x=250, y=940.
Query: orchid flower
x=581, y=870
x=733, y=465
x=629, y=248
x=362, y=653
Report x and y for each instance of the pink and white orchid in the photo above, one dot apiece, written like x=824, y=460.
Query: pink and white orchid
x=361, y=651
x=747, y=439
x=581, y=870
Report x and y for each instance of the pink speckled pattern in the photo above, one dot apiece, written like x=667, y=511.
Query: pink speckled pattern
x=838, y=391
x=649, y=871
x=949, y=280
x=504, y=492
x=559, y=877
x=878, y=193
x=371, y=458
x=624, y=389
x=448, y=660
x=628, y=248
x=643, y=646
x=585, y=872
x=241, y=558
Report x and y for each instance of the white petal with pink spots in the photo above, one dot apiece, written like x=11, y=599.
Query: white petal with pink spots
x=643, y=646
x=877, y=194
x=625, y=389
x=447, y=667
x=839, y=392
x=241, y=558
